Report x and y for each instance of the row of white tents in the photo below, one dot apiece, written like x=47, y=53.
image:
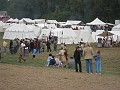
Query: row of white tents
x=65, y=35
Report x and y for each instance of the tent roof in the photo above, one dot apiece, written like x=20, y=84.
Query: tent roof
x=72, y=22
x=28, y=20
x=19, y=28
x=115, y=32
x=39, y=20
x=96, y=22
x=13, y=20
x=51, y=21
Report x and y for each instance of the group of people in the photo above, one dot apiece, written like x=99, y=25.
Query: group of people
x=26, y=46
x=88, y=54
x=83, y=50
x=61, y=59
x=105, y=42
x=98, y=27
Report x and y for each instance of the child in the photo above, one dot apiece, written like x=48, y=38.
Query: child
x=58, y=62
x=49, y=58
x=98, y=62
x=52, y=61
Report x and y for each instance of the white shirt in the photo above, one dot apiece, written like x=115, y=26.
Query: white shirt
x=22, y=45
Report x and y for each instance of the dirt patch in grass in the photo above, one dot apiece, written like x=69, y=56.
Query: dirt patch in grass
x=14, y=77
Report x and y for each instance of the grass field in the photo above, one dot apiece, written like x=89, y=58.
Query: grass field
x=110, y=58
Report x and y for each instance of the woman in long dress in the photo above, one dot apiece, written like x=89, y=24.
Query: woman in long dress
x=62, y=56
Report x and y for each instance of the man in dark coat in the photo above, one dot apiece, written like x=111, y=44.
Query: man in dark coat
x=48, y=46
x=77, y=56
x=31, y=46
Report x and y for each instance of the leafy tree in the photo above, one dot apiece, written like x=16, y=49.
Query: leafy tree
x=62, y=10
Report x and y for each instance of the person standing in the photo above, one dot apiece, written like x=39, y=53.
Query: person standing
x=31, y=46
x=48, y=44
x=35, y=49
x=39, y=46
x=88, y=55
x=66, y=53
x=14, y=46
x=55, y=45
x=77, y=57
x=11, y=46
x=5, y=47
x=98, y=62
x=43, y=46
x=62, y=56
x=22, y=52
x=21, y=58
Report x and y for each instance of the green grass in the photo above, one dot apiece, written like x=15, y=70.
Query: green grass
x=110, y=58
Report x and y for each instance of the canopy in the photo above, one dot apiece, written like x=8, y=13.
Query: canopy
x=104, y=34
x=96, y=22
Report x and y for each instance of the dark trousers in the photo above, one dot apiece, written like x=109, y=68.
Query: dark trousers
x=48, y=49
x=78, y=66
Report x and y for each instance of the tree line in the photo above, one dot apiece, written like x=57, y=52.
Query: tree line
x=62, y=10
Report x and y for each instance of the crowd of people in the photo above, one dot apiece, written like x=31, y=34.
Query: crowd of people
x=81, y=50
x=98, y=27
x=88, y=54
x=25, y=46
x=105, y=42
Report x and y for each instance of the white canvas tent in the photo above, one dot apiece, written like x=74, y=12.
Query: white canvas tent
x=84, y=33
x=39, y=21
x=94, y=34
x=26, y=21
x=51, y=26
x=20, y=31
x=51, y=21
x=86, y=36
x=42, y=25
x=65, y=35
x=96, y=22
x=116, y=36
x=44, y=32
x=37, y=29
x=116, y=28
